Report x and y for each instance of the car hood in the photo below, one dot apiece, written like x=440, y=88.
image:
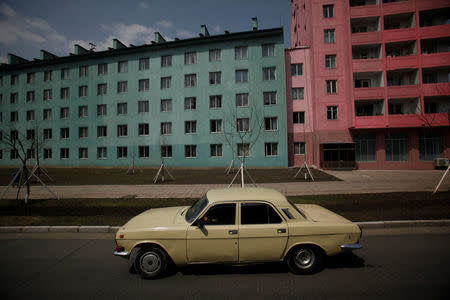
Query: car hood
x=156, y=217
x=318, y=213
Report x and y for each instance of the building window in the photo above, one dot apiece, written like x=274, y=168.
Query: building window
x=65, y=73
x=30, y=96
x=215, y=126
x=166, y=61
x=101, y=110
x=268, y=50
x=1, y=81
x=30, y=153
x=82, y=132
x=270, y=98
x=215, y=150
x=298, y=117
x=144, y=151
x=64, y=133
x=14, y=134
x=299, y=148
x=143, y=129
x=331, y=86
x=215, y=101
x=122, y=108
x=362, y=83
x=144, y=64
x=241, y=100
x=64, y=153
x=243, y=149
x=332, y=112
x=269, y=73
x=64, y=113
x=143, y=106
x=328, y=35
x=190, y=103
x=84, y=71
x=83, y=91
x=166, y=151
x=47, y=114
x=430, y=146
x=48, y=75
x=101, y=153
x=166, y=128
x=14, y=98
x=122, y=130
x=243, y=124
x=330, y=61
x=328, y=11
x=48, y=133
x=240, y=53
x=214, y=55
x=14, y=154
x=215, y=77
x=270, y=149
x=122, y=67
x=48, y=95
x=83, y=111
x=396, y=147
x=122, y=152
x=14, y=79
x=122, y=87
x=190, y=58
x=102, y=69
x=166, y=105
x=64, y=93
x=47, y=153
x=190, y=151
x=296, y=69
x=102, y=89
x=102, y=131
x=30, y=115
x=166, y=82
x=297, y=93
x=30, y=77
x=365, y=147
x=144, y=85
x=190, y=80
x=31, y=134
x=241, y=76
x=271, y=123
x=190, y=127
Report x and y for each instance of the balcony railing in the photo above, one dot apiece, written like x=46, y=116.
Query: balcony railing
x=365, y=11
x=401, y=62
x=404, y=91
x=398, y=7
x=368, y=93
x=373, y=37
x=431, y=32
x=435, y=60
x=366, y=65
x=400, y=34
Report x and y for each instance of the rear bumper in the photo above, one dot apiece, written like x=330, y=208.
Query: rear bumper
x=351, y=246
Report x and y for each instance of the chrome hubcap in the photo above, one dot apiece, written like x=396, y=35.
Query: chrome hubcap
x=304, y=258
x=150, y=262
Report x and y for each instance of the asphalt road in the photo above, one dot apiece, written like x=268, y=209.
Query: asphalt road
x=394, y=264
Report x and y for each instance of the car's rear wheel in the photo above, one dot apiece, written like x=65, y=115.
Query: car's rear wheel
x=151, y=262
x=305, y=259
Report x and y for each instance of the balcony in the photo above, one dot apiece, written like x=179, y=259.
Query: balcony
x=366, y=65
x=366, y=38
x=403, y=91
x=402, y=62
x=369, y=108
x=428, y=5
x=402, y=34
x=437, y=104
x=404, y=112
x=368, y=79
x=438, y=31
x=436, y=75
x=397, y=7
x=435, y=60
x=368, y=93
x=434, y=17
x=364, y=8
x=370, y=122
x=402, y=81
x=436, y=89
x=366, y=51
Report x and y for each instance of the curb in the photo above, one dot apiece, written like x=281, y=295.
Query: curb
x=113, y=229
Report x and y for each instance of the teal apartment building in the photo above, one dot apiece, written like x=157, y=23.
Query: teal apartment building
x=196, y=102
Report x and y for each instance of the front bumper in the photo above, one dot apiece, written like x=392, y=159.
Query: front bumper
x=122, y=253
x=351, y=246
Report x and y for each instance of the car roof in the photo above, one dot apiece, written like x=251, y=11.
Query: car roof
x=265, y=194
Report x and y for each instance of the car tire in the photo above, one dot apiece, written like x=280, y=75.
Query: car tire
x=151, y=262
x=305, y=260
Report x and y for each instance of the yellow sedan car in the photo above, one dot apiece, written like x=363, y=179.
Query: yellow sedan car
x=236, y=226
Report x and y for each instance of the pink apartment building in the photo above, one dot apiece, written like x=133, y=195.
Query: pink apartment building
x=368, y=83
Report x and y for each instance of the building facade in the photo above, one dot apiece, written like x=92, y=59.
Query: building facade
x=374, y=92
x=195, y=102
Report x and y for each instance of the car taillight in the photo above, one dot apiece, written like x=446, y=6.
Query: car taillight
x=119, y=248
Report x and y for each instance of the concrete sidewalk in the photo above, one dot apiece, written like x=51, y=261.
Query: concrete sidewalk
x=353, y=182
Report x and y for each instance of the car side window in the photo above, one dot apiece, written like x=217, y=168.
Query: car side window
x=220, y=214
x=258, y=213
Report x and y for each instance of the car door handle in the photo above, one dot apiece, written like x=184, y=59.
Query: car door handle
x=232, y=231
x=282, y=230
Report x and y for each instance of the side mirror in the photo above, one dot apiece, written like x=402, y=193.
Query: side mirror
x=200, y=223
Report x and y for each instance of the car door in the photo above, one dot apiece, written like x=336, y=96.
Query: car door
x=263, y=233
x=217, y=240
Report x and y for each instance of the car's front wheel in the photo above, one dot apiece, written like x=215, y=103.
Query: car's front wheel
x=305, y=259
x=151, y=262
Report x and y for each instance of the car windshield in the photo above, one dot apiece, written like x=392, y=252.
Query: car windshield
x=195, y=209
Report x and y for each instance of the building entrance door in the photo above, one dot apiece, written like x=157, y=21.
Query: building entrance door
x=338, y=156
